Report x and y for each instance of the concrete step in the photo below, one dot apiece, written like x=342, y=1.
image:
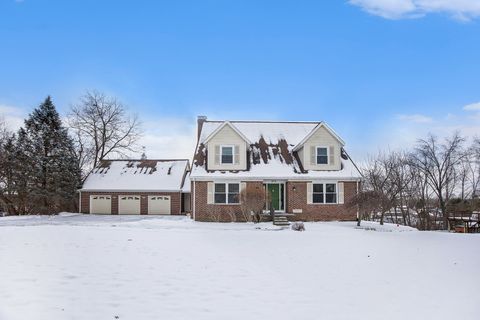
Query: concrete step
x=280, y=221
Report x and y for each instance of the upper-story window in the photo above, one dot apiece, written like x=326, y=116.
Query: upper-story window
x=322, y=155
x=226, y=154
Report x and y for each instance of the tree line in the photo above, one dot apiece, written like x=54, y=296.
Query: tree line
x=44, y=163
x=423, y=186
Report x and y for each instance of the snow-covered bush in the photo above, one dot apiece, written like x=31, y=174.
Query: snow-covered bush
x=298, y=226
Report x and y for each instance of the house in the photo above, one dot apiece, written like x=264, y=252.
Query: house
x=136, y=187
x=303, y=166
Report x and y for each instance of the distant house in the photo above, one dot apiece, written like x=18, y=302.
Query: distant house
x=303, y=166
x=136, y=187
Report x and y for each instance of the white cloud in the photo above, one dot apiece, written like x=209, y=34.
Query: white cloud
x=168, y=138
x=464, y=10
x=472, y=107
x=417, y=118
x=13, y=116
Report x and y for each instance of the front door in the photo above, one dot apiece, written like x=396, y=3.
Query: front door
x=275, y=196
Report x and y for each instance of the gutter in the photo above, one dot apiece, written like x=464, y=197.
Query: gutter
x=128, y=190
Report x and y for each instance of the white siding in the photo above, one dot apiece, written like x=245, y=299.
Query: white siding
x=227, y=136
x=321, y=138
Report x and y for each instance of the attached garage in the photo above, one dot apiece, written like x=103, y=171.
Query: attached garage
x=101, y=204
x=159, y=205
x=129, y=205
x=136, y=187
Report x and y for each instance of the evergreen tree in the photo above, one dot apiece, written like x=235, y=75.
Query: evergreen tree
x=47, y=156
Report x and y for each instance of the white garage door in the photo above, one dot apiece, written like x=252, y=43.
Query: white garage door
x=129, y=205
x=101, y=204
x=159, y=205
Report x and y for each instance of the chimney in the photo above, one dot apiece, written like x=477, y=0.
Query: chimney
x=200, y=121
x=144, y=155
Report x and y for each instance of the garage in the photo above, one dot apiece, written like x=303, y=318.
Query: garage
x=159, y=205
x=101, y=204
x=129, y=205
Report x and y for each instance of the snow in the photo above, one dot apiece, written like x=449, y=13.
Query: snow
x=127, y=175
x=276, y=169
x=101, y=267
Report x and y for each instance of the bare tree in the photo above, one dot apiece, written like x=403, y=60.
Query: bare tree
x=384, y=180
x=252, y=203
x=438, y=162
x=101, y=127
x=473, y=163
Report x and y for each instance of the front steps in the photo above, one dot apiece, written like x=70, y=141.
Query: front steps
x=280, y=220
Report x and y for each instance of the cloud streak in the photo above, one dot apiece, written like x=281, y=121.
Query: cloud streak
x=463, y=10
x=416, y=118
x=472, y=107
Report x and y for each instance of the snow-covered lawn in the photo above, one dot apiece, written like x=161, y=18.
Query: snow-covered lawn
x=103, y=267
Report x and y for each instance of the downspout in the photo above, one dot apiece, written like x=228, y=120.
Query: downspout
x=79, y=201
x=358, y=208
x=193, y=200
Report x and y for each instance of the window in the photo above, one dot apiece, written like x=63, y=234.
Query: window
x=322, y=155
x=324, y=193
x=233, y=192
x=220, y=193
x=227, y=193
x=318, y=194
x=331, y=193
x=227, y=154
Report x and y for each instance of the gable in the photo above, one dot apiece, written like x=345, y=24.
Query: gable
x=225, y=135
x=226, y=129
x=321, y=132
x=323, y=137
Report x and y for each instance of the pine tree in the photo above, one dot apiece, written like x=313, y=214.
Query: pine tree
x=48, y=159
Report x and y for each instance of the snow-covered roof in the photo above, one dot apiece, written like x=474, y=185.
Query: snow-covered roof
x=271, y=153
x=137, y=175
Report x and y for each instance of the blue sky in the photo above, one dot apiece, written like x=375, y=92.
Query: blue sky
x=380, y=72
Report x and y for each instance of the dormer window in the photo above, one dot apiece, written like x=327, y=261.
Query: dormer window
x=322, y=155
x=227, y=154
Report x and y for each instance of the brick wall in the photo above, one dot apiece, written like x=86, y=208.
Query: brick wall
x=217, y=212
x=297, y=199
x=294, y=200
x=175, y=200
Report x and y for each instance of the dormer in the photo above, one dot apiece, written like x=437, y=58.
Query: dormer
x=320, y=149
x=226, y=149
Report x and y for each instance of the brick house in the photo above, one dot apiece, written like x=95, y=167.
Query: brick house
x=137, y=187
x=303, y=167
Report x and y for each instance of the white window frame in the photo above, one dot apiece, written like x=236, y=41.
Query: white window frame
x=227, y=189
x=316, y=155
x=325, y=192
x=233, y=154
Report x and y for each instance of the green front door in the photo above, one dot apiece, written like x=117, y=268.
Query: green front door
x=275, y=193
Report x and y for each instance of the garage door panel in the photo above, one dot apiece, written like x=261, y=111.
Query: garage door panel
x=159, y=205
x=100, y=204
x=129, y=205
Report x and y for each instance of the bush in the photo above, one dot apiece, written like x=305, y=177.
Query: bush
x=298, y=226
